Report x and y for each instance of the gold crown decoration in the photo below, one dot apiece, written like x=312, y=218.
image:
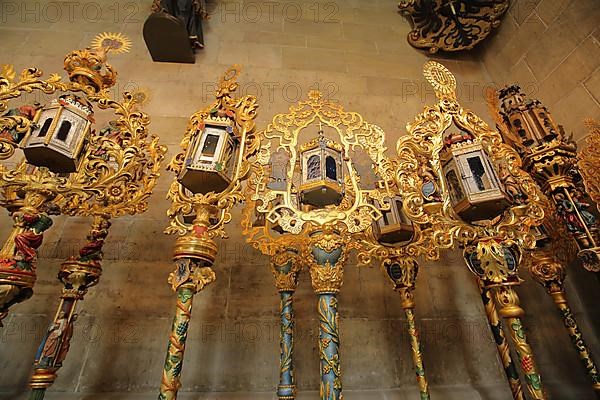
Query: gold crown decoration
x=89, y=67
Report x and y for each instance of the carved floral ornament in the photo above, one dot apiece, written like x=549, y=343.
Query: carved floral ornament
x=417, y=165
x=216, y=205
x=118, y=165
x=425, y=142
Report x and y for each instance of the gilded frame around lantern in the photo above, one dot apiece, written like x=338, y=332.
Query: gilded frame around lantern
x=425, y=142
x=105, y=166
x=354, y=213
x=184, y=203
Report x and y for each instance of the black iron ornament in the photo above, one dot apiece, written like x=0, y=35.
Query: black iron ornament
x=451, y=25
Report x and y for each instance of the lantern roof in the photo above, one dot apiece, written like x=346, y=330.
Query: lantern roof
x=322, y=142
x=77, y=102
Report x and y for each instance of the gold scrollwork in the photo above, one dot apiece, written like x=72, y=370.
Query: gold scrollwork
x=243, y=112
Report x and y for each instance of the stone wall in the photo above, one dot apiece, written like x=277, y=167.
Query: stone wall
x=355, y=52
x=552, y=49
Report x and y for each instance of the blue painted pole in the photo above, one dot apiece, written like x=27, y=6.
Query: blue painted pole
x=287, y=387
x=326, y=274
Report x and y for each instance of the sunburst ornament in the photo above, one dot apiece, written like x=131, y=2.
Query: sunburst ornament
x=141, y=96
x=115, y=42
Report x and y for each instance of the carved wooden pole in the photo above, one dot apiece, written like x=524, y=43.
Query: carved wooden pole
x=194, y=256
x=511, y=310
x=77, y=275
x=496, y=263
x=18, y=256
x=286, y=267
x=403, y=274
x=550, y=273
x=326, y=260
x=503, y=349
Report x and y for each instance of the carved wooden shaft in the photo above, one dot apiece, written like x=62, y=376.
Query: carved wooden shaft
x=510, y=310
x=18, y=256
x=53, y=348
x=77, y=274
x=577, y=339
x=548, y=271
x=503, y=349
x=285, y=267
x=329, y=347
x=171, y=379
x=286, y=390
x=408, y=305
x=326, y=275
x=194, y=255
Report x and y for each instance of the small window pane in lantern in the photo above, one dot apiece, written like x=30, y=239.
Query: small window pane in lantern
x=475, y=191
x=330, y=168
x=322, y=174
x=209, y=162
x=59, y=134
x=394, y=226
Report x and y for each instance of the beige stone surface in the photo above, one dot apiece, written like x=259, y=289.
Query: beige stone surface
x=356, y=53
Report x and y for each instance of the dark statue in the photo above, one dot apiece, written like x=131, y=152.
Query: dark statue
x=174, y=30
x=191, y=12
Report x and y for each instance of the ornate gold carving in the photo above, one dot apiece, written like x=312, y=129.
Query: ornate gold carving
x=589, y=161
x=423, y=147
x=355, y=212
x=547, y=270
x=286, y=266
x=183, y=203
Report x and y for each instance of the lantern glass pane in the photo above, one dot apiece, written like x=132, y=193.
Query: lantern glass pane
x=63, y=131
x=456, y=192
x=210, y=145
x=313, y=167
x=479, y=178
x=45, y=127
x=330, y=168
x=401, y=216
x=385, y=217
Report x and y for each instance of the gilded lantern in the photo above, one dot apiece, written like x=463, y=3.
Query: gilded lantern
x=211, y=156
x=322, y=173
x=394, y=226
x=475, y=190
x=59, y=134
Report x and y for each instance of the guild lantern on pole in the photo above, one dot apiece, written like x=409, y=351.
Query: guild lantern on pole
x=59, y=134
x=322, y=181
x=475, y=190
x=211, y=156
x=493, y=187
x=550, y=157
